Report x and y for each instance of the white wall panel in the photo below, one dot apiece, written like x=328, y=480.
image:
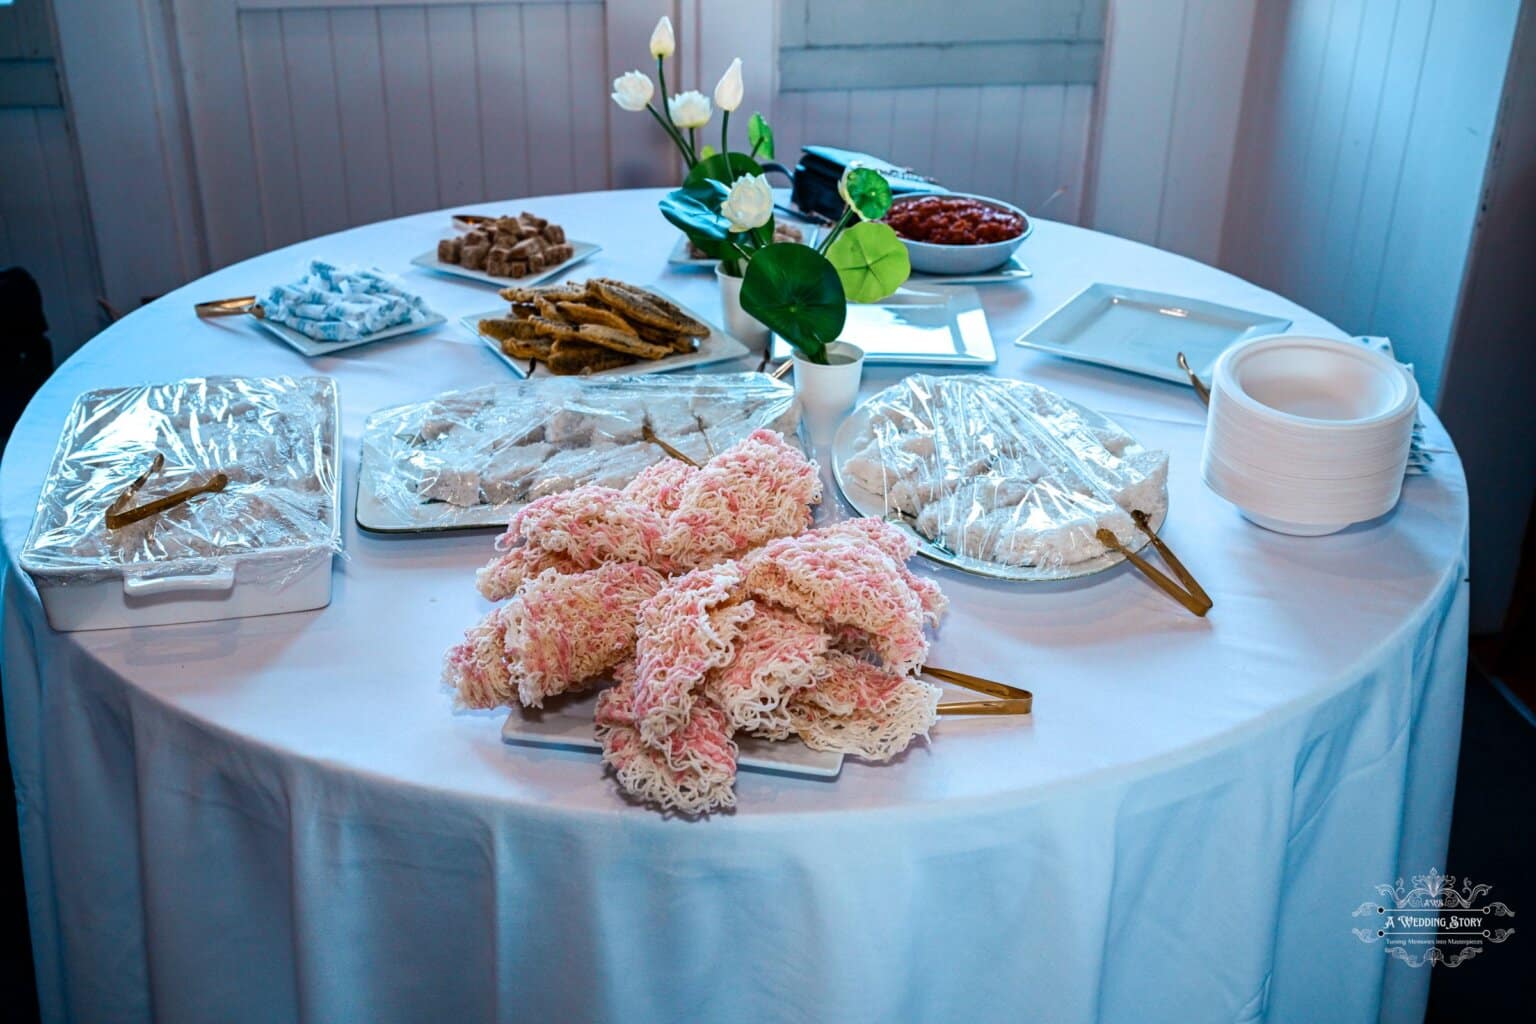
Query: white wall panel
x=1367, y=130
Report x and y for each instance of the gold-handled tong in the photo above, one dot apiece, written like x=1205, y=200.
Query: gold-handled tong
x=120, y=515
x=1191, y=595
x=650, y=435
x=230, y=307
x=1011, y=700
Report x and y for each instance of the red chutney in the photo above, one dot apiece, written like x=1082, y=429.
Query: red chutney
x=953, y=220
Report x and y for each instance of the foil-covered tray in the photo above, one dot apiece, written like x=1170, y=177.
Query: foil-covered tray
x=469, y=459
x=1000, y=478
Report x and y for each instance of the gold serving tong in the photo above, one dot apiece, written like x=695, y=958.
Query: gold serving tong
x=230, y=307
x=120, y=515
x=650, y=435
x=1191, y=595
x=1203, y=392
x=1011, y=700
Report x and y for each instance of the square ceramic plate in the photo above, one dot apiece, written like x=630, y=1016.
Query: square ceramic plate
x=1013, y=270
x=944, y=326
x=715, y=348
x=1143, y=332
x=310, y=347
x=567, y=723
x=429, y=261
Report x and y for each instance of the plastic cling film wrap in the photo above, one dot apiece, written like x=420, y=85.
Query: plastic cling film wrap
x=467, y=457
x=274, y=437
x=1002, y=472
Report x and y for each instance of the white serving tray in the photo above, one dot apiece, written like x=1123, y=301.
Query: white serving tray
x=717, y=347
x=934, y=325
x=1143, y=332
x=310, y=347
x=871, y=503
x=583, y=251
x=140, y=599
x=567, y=723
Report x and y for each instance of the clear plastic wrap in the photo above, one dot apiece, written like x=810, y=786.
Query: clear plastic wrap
x=1000, y=476
x=467, y=458
x=276, y=439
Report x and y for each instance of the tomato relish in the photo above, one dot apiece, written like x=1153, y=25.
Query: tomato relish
x=953, y=220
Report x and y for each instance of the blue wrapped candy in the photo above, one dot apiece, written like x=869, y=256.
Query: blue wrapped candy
x=331, y=304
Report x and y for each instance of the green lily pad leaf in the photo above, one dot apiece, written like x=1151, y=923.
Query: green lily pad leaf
x=760, y=135
x=794, y=291
x=867, y=192
x=870, y=260
x=701, y=222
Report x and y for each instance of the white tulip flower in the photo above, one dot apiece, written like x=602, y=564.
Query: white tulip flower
x=689, y=109
x=663, y=43
x=749, y=204
x=728, y=91
x=633, y=90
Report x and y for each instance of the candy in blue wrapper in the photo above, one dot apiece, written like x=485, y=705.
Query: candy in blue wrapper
x=331, y=304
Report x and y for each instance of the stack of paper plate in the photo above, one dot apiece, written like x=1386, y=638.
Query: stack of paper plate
x=1308, y=435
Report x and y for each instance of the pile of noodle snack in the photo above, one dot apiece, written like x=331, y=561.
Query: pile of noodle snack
x=703, y=594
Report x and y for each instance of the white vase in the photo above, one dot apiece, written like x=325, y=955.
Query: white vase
x=739, y=324
x=827, y=392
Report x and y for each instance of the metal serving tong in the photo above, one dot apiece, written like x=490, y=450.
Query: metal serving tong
x=1191, y=595
x=120, y=515
x=230, y=307
x=1011, y=699
x=1194, y=379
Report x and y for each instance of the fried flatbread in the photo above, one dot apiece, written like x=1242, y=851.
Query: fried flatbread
x=676, y=342
x=570, y=291
x=619, y=341
x=582, y=313
x=639, y=307
x=571, y=358
x=554, y=331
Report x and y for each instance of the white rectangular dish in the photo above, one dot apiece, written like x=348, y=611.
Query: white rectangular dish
x=567, y=723
x=207, y=558
x=311, y=348
x=583, y=251
x=1143, y=332
x=716, y=348
x=940, y=326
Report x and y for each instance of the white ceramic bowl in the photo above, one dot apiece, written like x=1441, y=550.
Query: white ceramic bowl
x=1308, y=435
x=930, y=258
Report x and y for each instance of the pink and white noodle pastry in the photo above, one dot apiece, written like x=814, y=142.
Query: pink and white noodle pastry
x=714, y=609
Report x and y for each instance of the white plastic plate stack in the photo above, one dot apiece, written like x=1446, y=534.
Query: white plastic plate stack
x=1308, y=435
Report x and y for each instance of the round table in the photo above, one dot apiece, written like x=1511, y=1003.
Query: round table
x=281, y=818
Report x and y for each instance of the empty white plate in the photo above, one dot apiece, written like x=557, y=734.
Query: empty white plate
x=1143, y=332
x=931, y=325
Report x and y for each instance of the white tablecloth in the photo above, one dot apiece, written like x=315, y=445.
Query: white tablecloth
x=280, y=818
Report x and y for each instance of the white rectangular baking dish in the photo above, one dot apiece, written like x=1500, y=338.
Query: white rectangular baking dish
x=265, y=582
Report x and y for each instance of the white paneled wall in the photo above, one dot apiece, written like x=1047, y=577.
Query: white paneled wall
x=1367, y=130
x=1017, y=142
x=355, y=112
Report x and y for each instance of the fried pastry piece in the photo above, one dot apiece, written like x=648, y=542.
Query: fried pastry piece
x=619, y=341
x=676, y=342
x=685, y=323
x=555, y=330
x=640, y=307
x=570, y=291
x=582, y=313
x=574, y=357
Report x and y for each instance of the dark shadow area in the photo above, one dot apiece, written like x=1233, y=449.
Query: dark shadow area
x=1493, y=841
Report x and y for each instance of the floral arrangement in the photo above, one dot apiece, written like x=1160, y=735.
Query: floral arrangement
x=725, y=207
